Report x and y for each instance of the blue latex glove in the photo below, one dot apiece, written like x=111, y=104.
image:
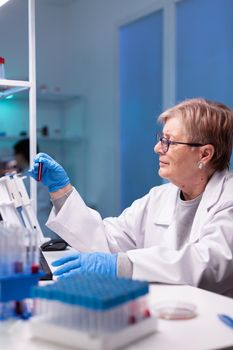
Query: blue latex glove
x=53, y=175
x=81, y=263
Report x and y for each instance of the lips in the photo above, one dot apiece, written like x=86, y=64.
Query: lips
x=162, y=163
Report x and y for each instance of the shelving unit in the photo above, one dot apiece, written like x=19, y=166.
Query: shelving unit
x=8, y=87
x=10, y=138
x=57, y=97
x=61, y=113
x=48, y=139
x=65, y=120
x=64, y=117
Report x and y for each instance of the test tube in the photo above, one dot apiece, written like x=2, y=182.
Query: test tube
x=35, y=258
x=3, y=250
x=19, y=257
x=29, y=240
x=39, y=178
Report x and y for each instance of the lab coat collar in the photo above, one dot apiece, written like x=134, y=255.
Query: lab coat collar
x=213, y=189
x=210, y=196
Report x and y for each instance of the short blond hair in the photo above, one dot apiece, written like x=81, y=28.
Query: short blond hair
x=206, y=122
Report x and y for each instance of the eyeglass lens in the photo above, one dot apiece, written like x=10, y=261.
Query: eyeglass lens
x=164, y=142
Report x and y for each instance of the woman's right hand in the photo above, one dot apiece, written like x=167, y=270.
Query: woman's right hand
x=53, y=174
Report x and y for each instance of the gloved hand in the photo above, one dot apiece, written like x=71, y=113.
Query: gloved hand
x=81, y=263
x=53, y=175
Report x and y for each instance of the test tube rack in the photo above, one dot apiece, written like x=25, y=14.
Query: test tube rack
x=18, y=274
x=77, y=339
x=17, y=286
x=92, y=312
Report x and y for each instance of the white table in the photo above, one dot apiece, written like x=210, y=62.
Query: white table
x=204, y=332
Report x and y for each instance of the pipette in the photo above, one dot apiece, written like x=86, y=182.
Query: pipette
x=28, y=214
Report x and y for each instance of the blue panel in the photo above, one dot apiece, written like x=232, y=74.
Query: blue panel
x=205, y=50
x=140, y=104
x=18, y=286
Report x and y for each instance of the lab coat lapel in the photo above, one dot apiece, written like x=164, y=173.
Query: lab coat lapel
x=210, y=196
x=165, y=211
x=159, y=230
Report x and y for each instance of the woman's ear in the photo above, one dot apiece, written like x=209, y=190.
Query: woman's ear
x=207, y=153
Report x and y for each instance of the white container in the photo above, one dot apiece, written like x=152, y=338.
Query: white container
x=2, y=68
x=39, y=328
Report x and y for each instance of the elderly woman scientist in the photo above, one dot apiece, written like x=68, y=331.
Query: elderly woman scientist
x=180, y=232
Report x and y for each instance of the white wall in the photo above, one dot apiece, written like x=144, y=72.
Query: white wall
x=50, y=41
x=77, y=51
x=93, y=72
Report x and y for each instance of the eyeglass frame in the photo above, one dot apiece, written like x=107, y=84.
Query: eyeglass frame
x=165, y=142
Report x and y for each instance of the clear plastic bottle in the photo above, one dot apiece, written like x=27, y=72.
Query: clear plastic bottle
x=2, y=68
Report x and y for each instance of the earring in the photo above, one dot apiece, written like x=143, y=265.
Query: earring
x=200, y=165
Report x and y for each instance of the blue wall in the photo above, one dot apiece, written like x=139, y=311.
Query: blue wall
x=140, y=104
x=205, y=50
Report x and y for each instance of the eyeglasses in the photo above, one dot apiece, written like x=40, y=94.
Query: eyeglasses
x=165, y=143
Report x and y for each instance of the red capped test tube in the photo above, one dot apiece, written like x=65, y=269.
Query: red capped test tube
x=40, y=171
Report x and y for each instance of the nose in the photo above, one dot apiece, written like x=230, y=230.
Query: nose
x=157, y=148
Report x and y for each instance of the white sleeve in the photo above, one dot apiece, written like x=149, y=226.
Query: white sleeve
x=84, y=229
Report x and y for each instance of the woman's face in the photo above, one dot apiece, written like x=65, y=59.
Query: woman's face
x=179, y=164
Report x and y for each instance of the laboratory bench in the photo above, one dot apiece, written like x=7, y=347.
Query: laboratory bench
x=203, y=332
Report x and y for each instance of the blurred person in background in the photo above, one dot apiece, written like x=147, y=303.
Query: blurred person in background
x=44, y=205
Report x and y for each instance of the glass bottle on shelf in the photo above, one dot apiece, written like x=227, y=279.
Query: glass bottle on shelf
x=2, y=68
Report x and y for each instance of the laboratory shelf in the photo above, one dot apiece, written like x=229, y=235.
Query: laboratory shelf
x=40, y=139
x=11, y=138
x=9, y=87
x=53, y=97
x=57, y=97
x=60, y=138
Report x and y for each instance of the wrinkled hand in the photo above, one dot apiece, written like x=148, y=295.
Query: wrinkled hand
x=82, y=263
x=53, y=174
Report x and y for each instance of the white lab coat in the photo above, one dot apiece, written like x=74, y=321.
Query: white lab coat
x=145, y=231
